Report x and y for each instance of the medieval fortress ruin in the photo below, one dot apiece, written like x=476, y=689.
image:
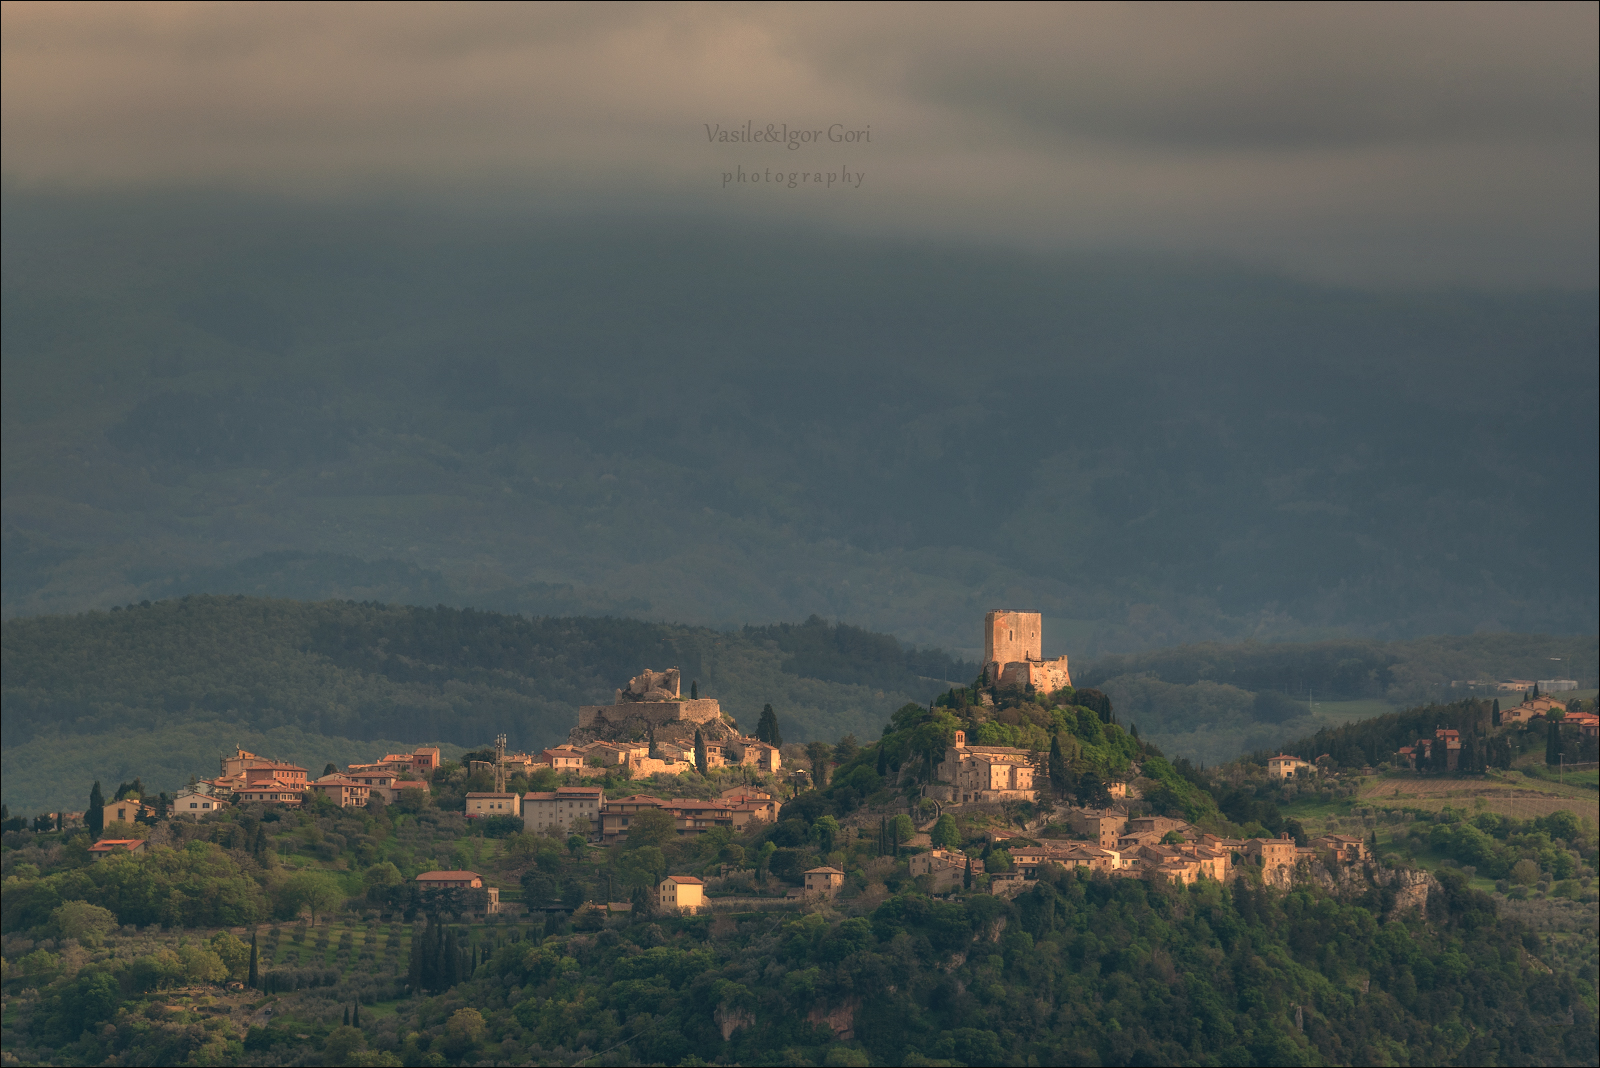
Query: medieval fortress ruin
x=1012, y=656
x=651, y=699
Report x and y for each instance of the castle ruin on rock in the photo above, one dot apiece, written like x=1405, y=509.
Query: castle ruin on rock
x=1012, y=653
x=650, y=706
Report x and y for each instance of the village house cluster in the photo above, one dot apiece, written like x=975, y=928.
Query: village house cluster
x=649, y=729
x=1120, y=846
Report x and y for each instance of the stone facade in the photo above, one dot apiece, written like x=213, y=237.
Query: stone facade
x=648, y=713
x=1012, y=653
x=983, y=773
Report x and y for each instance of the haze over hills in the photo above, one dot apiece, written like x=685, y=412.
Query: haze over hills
x=724, y=425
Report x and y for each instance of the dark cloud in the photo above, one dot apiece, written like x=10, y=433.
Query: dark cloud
x=1378, y=145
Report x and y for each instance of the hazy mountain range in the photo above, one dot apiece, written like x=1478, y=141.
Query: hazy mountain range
x=717, y=424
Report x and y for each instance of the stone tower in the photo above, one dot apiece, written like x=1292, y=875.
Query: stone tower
x=1013, y=644
x=1012, y=637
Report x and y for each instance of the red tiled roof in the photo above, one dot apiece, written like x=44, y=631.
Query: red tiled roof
x=452, y=876
x=106, y=845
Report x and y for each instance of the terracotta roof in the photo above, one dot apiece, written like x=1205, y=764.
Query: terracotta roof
x=106, y=845
x=490, y=794
x=684, y=880
x=824, y=871
x=453, y=876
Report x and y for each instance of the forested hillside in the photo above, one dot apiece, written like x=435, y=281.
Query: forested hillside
x=151, y=689
x=1076, y=968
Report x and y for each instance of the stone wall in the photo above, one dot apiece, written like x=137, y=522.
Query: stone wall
x=656, y=713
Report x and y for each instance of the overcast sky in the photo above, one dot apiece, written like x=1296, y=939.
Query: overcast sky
x=1375, y=145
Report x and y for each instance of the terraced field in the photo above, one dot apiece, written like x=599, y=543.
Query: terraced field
x=1507, y=793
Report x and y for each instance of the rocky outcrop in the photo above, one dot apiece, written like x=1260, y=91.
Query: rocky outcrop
x=841, y=1021
x=1411, y=889
x=729, y=1019
x=1410, y=886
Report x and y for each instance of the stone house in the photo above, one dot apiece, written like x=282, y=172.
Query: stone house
x=1530, y=710
x=481, y=805
x=270, y=793
x=1342, y=848
x=461, y=880
x=615, y=754
x=983, y=773
x=693, y=816
x=751, y=752
x=1102, y=825
x=127, y=810
x=551, y=812
x=1150, y=830
x=108, y=847
x=1095, y=858
x=824, y=881
x=1160, y=826
x=681, y=893
x=750, y=806
x=383, y=780
x=618, y=812
x=1276, y=856
x=947, y=867
x=195, y=803
x=1284, y=766
x=342, y=790
x=565, y=757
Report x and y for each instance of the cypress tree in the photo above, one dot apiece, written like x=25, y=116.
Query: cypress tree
x=417, y=970
x=1552, y=742
x=699, y=751
x=1494, y=716
x=449, y=960
x=255, y=976
x=694, y=690
x=883, y=760
x=95, y=818
x=966, y=877
x=767, y=727
x=1058, y=764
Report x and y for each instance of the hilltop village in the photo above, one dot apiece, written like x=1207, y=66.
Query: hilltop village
x=1040, y=806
